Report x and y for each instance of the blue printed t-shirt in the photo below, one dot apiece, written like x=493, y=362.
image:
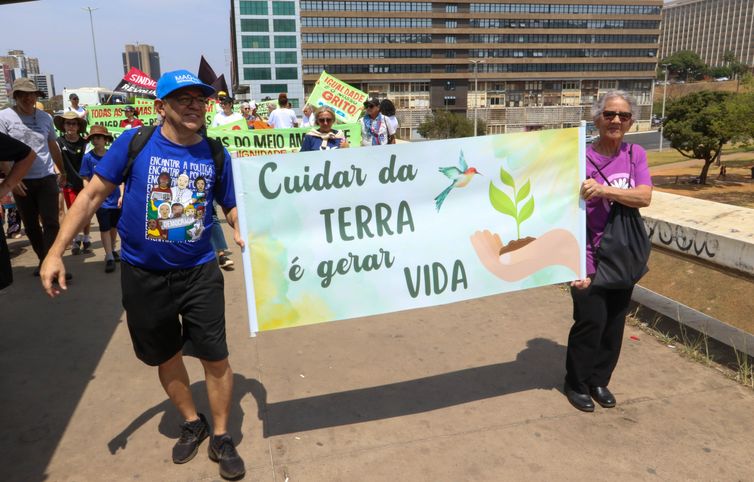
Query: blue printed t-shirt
x=167, y=204
x=88, y=164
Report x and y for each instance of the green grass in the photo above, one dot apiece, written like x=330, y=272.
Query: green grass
x=671, y=156
x=667, y=156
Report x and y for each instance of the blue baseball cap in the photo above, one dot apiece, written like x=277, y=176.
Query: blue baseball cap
x=178, y=79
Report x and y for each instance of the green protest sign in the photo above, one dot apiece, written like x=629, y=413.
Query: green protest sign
x=258, y=142
x=111, y=115
x=346, y=101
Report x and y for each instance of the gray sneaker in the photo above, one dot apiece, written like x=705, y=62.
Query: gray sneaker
x=222, y=450
x=192, y=434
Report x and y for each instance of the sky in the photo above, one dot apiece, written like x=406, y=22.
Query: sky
x=58, y=33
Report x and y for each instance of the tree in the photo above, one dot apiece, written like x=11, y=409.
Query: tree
x=721, y=71
x=685, y=65
x=444, y=124
x=698, y=125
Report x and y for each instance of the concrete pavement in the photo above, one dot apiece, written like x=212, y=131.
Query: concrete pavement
x=464, y=392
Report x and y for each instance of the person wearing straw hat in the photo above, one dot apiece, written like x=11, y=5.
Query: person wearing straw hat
x=37, y=194
x=172, y=285
x=108, y=213
x=72, y=147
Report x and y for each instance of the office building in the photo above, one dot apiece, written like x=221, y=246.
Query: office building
x=22, y=65
x=710, y=28
x=6, y=84
x=143, y=57
x=266, y=49
x=536, y=64
x=45, y=83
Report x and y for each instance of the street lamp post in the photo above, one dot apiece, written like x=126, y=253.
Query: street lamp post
x=476, y=90
x=664, y=95
x=94, y=44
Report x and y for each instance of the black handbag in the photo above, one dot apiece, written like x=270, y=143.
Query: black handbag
x=621, y=258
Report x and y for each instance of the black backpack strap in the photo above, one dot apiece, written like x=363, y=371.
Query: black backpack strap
x=598, y=169
x=218, y=156
x=138, y=141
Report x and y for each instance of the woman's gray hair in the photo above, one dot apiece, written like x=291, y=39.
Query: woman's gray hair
x=599, y=106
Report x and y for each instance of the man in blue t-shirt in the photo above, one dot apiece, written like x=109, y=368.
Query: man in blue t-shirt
x=171, y=282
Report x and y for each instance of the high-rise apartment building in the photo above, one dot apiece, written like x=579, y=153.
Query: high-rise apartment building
x=266, y=46
x=22, y=65
x=6, y=83
x=710, y=28
x=45, y=83
x=143, y=57
x=535, y=64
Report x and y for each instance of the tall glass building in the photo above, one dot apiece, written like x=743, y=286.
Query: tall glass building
x=266, y=47
x=535, y=64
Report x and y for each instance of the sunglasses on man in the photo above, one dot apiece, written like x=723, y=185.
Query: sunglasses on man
x=610, y=115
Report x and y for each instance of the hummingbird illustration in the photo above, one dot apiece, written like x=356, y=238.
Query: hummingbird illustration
x=460, y=176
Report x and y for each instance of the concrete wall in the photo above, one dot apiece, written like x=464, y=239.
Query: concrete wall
x=718, y=233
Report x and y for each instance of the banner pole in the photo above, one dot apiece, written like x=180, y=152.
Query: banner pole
x=582, y=203
x=246, y=251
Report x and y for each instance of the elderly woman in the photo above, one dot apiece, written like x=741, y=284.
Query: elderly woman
x=375, y=129
x=308, y=119
x=323, y=137
x=617, y=172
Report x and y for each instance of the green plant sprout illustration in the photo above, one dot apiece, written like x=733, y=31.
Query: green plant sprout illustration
x=501, y=202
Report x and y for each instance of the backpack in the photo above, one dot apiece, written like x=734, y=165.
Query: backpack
x=621, y=258
x=143, y=135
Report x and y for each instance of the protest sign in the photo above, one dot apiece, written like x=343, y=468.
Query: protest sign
x=137, y=82
x=257, y=142
x=347, y=102
x=111, y=115
x=234, y=126
x=356, y=232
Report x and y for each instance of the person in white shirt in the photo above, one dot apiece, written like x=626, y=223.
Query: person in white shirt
x=307, y=120
x=75, y=107
x=227, y=116
x=283, y=117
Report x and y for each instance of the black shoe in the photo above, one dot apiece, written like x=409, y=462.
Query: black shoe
x=76, y=247
x=225, y=262
x=85, y=246
x=602, y=396
x=116, y=256
x=109, y=265
x=222, y=450
x=582, y=401
x=192, y=434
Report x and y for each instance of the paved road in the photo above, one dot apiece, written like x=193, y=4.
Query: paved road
x=648, y=140
x=462, y=392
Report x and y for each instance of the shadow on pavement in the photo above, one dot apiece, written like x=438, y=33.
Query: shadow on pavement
x=49, y=352
x=169, y=425
x=539, y=366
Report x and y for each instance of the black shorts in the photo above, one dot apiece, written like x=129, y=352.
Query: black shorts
x=107, y=218
x=170, y=311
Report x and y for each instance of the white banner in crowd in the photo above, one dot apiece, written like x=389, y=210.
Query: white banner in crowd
x=357, y=232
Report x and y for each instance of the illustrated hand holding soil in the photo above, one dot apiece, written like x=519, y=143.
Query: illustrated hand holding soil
x=521, y=258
